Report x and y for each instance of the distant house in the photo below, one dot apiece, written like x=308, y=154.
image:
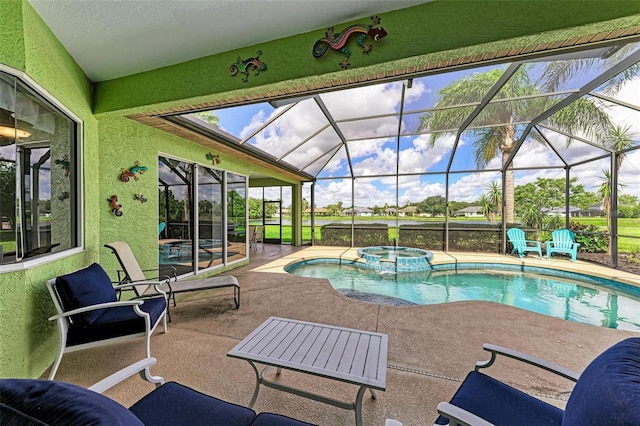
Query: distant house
x=471, y=211
x=560, y=211
x=390, y=211
x=283, y=212
x=592, y=211
x=358, y=211
x=320, y=211
x=408, y=211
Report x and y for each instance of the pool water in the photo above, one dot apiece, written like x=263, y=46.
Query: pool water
x=585, y=300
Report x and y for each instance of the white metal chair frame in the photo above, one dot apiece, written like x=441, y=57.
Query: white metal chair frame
x=64, y=322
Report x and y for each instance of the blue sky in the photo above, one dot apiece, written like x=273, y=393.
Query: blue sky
x=302, y=135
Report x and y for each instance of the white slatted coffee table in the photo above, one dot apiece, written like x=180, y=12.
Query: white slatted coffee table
x=353, y=356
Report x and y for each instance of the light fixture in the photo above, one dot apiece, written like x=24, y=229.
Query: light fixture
x=9, y=133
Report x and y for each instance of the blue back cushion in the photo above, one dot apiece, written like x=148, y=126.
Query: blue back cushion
x=86, y=287
x=608, y=391
x=58, y=403
x=175, y=404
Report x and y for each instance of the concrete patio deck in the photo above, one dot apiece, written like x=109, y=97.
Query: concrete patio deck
x=431, y=348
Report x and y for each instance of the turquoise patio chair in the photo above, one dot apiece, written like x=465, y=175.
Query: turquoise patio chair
x=562, y=241
x=521, y=245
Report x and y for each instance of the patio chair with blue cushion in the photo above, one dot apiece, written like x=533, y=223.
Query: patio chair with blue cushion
x=90, y=315
x=521, y=245
x=606, y=393
x=562, y=241
x=49, y=402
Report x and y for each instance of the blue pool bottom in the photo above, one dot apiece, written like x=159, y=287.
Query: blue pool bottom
x=560, y=294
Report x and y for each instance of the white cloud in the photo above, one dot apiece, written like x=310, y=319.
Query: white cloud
x=420, y=157
x=471, y=186
x=418, y=191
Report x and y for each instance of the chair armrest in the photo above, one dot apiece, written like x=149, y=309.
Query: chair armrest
x=529, y=359
x=532, y=242
x=460, y=416
x=173, y=272
x=141, y=367
x=135, y=283
x=155, y=284
x=94, y=307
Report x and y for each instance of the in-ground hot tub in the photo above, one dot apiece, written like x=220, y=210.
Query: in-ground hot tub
x=396, y=259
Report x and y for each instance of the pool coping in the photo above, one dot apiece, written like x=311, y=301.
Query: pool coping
x=558, y=263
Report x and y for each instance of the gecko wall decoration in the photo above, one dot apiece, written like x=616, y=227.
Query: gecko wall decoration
x=140, y=197
x=244, y=66
x=215, y=159
x=65, y=164
x=339, y=41
x=115, y=207
x=133, y=172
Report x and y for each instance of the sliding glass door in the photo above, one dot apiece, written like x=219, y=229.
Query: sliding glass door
x=210, y=250
x=204, y=214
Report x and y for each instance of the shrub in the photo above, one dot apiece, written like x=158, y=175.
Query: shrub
x=591, y=239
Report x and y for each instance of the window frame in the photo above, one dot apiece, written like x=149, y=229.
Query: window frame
x=77, y=185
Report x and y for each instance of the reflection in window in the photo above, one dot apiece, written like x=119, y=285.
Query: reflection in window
x=195, y=239
x=38, y=189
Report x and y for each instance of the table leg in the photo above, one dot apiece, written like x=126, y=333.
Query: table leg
x=257, y=388
x=358, y=406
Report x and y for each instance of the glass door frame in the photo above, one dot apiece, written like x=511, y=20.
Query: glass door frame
x=271, y=223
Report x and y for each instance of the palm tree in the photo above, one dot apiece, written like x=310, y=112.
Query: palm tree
x=619, y=139
x=604, y=192
x=495, y=195
x=487, y=208
x=582, y=116
x=208, y=116
x=534, y=218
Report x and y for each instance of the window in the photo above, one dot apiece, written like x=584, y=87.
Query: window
x=38, y=175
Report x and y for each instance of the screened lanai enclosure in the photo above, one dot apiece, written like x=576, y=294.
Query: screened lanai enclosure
x=452, y=160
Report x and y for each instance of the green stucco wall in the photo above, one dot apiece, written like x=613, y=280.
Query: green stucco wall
x=432, y=31
x=28, y=342
x=122, y=143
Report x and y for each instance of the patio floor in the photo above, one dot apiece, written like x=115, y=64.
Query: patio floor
x=431, y=348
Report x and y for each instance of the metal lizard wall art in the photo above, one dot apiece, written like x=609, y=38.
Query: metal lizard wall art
x=245, y=65
x=126, y=175
x=339, y=41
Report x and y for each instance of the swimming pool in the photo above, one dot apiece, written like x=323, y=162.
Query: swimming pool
x=565, y=295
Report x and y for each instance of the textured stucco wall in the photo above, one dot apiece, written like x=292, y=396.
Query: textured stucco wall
x=432, y=31
x=28, y=341
x=122, y=143
x=11, y=35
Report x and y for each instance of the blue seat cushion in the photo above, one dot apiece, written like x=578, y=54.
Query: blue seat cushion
x=270, y=419
x=608, y=391
x=118, y=321
x=501, y=404
x=175, y=404
x=86, y=287
x=49, y=402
